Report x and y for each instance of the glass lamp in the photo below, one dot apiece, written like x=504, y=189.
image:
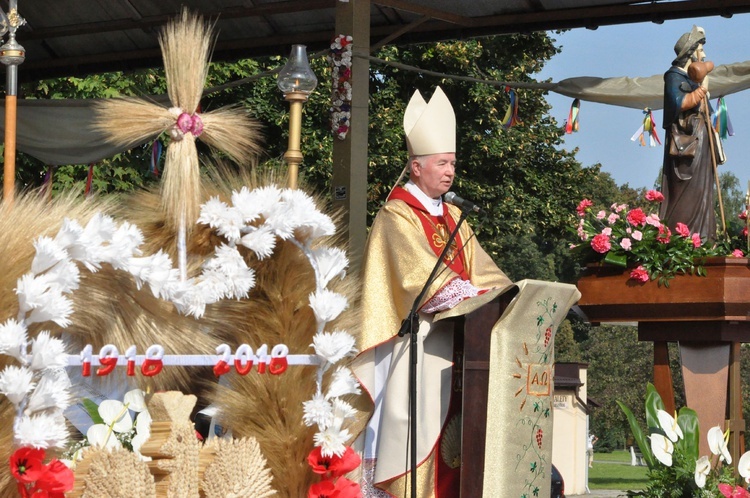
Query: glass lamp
x=296, y=80
x=296, y=75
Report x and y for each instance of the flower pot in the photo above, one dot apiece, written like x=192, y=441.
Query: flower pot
x=609, y=295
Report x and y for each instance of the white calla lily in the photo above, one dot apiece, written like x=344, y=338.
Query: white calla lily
x=134, y=400
x=669, y=425
x=662, y=448
x=101, y=436
x=743, y=466
x=702, y=469
x=717, y=443
x=116, y=415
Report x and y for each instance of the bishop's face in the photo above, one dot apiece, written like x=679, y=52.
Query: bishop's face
x=434, y=176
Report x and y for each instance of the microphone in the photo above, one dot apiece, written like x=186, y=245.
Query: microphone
x=465, y=205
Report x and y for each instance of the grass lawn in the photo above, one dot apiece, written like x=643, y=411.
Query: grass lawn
x=613, y=471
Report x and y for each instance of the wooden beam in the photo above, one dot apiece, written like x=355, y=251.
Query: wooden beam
x=425, y=11
x=396, y=34
x=288, y=7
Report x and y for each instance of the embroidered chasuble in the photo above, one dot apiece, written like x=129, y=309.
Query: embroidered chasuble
x=402, y=248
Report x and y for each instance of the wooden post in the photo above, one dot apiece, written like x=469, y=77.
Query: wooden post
x=349, y=178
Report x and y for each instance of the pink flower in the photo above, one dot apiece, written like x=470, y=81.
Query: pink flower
x=682, y=229
x=618, y=207
x=654, y=196
x=607, y=231
x=664, y=234
x=625, y=244
x=653, y=220
x=639, y=274
x=582, y=206
x=730, y=492
x=737, y=253
x=600, y=243
x=612, y=218
x=743, y=215
x=637, y=235
x=636, y=217
x=744, y=232
x=601, y=215
x=696, y=237
x=581, y=232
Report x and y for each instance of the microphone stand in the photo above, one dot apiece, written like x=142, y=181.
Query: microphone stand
x=410, y=325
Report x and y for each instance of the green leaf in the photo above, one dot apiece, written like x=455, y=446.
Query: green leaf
x=690, y=443
x=640, y=439
x=93, y=410
x=616, y=259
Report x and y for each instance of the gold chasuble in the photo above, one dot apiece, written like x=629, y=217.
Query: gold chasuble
x=401, y=251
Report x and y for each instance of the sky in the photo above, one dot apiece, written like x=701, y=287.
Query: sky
x=643, y=49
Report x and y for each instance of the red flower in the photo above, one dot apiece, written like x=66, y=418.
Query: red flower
x=664, y=235
x=654, y=196
x=57, y=479
x=743, y=215
x=26, y=464
x=582, y=206
x=744, y=231
x=600, y=243
x=335, y=465
x=682, y=229
x=736, y=492
x=322, y=489
x=639, y=274
x=636, y=217
x=347, y=489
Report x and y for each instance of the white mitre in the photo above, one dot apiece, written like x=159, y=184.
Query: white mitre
x=430, y=128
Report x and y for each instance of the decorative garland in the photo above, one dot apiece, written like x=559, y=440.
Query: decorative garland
x=39, y=388
x=647, y=130
x=571, y=125
x=341, y=73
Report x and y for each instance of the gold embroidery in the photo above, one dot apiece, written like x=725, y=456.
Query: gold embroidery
x=440, y=237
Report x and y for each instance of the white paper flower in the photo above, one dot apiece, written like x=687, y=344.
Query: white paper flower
x=333, y=346
x=51, y=392
x=212, y=212
x=261, y=241
x=702, y=469
x=69, y=233
x=156, y=270
x=12, y=337
x=342, y=383
x=65, y=275
x=16, y=383
x=247, y=202
x=332, y=262
x=230, y=225
x=124, y=244
x=717, y=443
x=41, y=430
x=116, y=415
x=743, y=466
x=318, y=411
x=669, y=425
x=327, y=305
x=48, y=253
x=342, y=411
x=101, y=436
x=662, y=448
x=332, y=441
x=47, y=352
